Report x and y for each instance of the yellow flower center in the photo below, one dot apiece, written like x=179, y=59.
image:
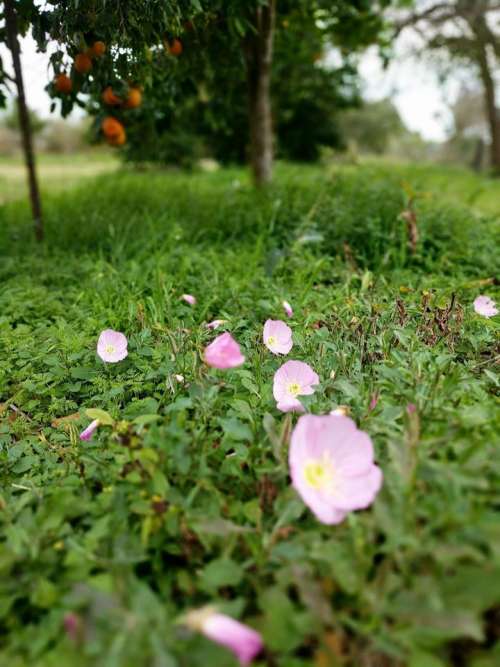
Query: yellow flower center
x=271, y=340
x=318, y=474
x=110, y=349
x=294, y=388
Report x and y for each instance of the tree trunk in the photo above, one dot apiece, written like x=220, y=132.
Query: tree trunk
x=258, y=49
x=492, y=113
x=24, y=119
x=478, y=159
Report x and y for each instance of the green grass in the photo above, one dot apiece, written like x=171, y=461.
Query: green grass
x=55, y=172
x=186, y=501
x=450, y=183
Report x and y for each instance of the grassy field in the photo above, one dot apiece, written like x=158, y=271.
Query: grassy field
x=451, y=184
x=56, y=172
x=186, y=500
x=448, y=184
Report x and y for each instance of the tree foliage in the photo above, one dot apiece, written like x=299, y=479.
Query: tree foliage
x=132, y=34
x=197, y=104
x=136, y=32
x=373, y=126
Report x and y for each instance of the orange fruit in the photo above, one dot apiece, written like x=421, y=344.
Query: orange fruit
x=83, y=63
x=97, y=49
x=175, y=47
x=63, y=84
x=117, y=140
x=112, y=128
x=109, y=98
x=134, y=99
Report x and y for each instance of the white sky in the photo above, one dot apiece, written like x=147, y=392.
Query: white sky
x=413, y=86
x=421, y=100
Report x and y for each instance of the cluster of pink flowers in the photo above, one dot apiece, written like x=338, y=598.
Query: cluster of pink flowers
x=331, y=461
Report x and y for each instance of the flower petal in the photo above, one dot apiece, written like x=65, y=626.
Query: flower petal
x=331, y=466
x=224, y=352
x=189, y=298
x=485, y=306
x=88, y=432
x=242, y=640
x=112, y=346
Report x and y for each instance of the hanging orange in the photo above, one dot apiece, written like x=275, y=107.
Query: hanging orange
x=134, y=99
x=63, y=84
x=109, y=98
x=118, y=140
x=175, y=47
x=97, y=49
x=112, y=128
x=83, y=63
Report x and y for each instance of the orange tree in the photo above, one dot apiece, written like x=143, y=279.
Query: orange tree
x=197, y=104
x=235, y=59
x=106, y=49
x=99, y=43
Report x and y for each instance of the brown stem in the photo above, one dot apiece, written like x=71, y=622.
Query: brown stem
x=258, y=50
x=24, y=120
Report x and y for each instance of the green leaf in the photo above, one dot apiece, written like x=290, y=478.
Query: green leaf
x=219, y=573
x=236, y=429
x=421, y=659
x=104, y=417
x=142, y=420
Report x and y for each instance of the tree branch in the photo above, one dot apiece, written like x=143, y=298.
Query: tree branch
x=427, y=14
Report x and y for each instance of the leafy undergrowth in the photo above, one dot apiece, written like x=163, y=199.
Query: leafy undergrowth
x=187, y=501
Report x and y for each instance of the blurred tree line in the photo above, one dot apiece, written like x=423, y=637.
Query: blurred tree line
x=50, y=135
x=197, y=105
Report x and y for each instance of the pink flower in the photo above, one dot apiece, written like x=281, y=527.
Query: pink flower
x=277, y=337
x=294, y=378
x=87, y=433
x=332, y=468
x=224, y=352
x=411, y=408
x=485, y=306
x=215, y=324
x=288, y=308
x=73, y=626
x=189, y=298
x=112, y=346
x=244, y=642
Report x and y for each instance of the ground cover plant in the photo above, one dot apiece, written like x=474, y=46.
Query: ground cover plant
x=182, y=496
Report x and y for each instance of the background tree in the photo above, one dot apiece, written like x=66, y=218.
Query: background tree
x=17, y=19
x=349, y=25
x=123, y=35
x=470, y=133
x=196, y=105
x=199, y=95
x=113, y=48
x=373, y=126
x=469, y=32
